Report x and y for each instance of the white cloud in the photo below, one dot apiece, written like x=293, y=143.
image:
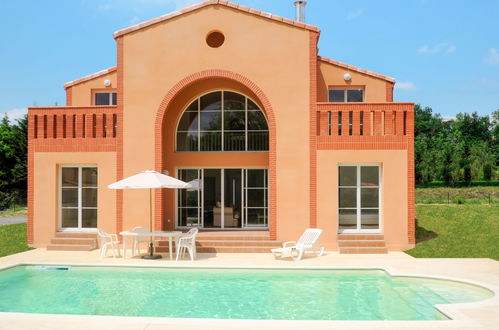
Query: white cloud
x=355, y=14
x=442, y=47
x=15, y=114
x=492, y=57
x=178, y=3
x=134, y=20
x=405, y=86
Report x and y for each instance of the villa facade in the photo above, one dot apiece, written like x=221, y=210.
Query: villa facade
x=278, y=138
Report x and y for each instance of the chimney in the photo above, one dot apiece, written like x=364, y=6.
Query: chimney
x=300, y=11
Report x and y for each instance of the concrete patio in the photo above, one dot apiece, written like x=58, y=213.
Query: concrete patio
x=479, y=315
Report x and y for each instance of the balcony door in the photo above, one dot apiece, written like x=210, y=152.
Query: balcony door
x=359, y=198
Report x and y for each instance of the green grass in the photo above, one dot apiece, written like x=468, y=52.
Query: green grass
x=15, y=211
x=13, y=239
x=458, y=195
x=457, y=231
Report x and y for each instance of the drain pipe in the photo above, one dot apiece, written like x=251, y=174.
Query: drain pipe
x=300, y=11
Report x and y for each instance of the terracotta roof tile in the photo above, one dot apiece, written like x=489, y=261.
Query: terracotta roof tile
x=354, y=68
x=210, y=3
x=89, y=77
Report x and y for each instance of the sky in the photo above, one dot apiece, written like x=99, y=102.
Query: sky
x=443, y=53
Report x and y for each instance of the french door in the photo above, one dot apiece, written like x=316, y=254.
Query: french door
x=227, y=198
x=359, y=198
x=77, y=198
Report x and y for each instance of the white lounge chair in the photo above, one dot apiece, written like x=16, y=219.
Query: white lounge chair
x=139, y=239
x=307, y=241
x=108, y=240
x=187, y=242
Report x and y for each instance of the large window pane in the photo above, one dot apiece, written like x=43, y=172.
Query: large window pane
x=369, y=219
x=211, y=141
x=89, y=218
x=369, y=176
x=256, y=197
x=233, y=101
x=336, y=95
x=211, y=121
x=102, y=99
x=256, y=178
x=234, y=120
x=369, y=197
x=69, y=177
x=193, y=106
x=355, y=95
x=348, y=176
x=89, y=197
x=114, y=97
x=89, y=176
x=187, y=141
x=348, y=197
x=212, y=101
x=257, y=217
x=188, y=122
x=258, y=141
x=69, y=197
x=257, y=121
x=234, y=141
x=188, y=198
x=69, y=218
x=347, y=219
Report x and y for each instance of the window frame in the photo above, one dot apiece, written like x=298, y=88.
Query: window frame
x=105, y=91
x=359, y=207
x=80, y=202
x=345, y=93
x=222, y=130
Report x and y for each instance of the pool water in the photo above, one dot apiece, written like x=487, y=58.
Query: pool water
x=230, y=294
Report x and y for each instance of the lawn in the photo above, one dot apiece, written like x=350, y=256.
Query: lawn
x=457, y=231
x=13, y=239
x=457, y=195
x=15, y=211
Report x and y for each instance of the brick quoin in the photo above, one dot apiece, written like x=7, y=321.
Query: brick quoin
x=314, y=38
x=267, y=107
x=119, y=134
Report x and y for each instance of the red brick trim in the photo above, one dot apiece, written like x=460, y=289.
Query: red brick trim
x=119, y=135
x=411, y=223
x=313, y=40
x=69, y=96
x=267, y=108
x=389, y=91
x=210, y=3
x=31, y=178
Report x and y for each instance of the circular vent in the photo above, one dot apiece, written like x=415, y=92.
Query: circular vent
x=215, y=39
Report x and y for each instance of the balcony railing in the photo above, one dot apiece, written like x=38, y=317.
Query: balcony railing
x=364, y=123
x=96, y=122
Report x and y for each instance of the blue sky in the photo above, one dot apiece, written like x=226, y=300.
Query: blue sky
x=443, y=53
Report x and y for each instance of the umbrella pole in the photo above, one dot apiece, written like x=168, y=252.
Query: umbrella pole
x=151, y=244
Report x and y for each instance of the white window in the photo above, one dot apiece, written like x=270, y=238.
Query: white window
x=105, y=98
x=359, y=198
x=78, y=197
x=346, y=95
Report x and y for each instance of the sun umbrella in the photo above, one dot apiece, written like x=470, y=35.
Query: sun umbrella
x=149, y=180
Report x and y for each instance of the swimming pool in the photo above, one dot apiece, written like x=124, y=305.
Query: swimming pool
x=229, y=293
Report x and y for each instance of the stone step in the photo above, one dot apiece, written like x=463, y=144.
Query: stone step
x=223, y=249
x=69, y=247
x=237, y=237
x=74, y=241
x=364, y=250
x=234, y=243
x=361, y=243
x=61, y=234
x=358, y=237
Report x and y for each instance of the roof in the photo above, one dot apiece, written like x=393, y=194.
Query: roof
x=89, y=77
x=354, y=68
x=218, y=3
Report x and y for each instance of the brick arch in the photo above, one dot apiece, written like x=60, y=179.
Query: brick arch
x=267, y=108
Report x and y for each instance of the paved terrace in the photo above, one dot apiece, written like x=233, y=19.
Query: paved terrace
x=480, y=315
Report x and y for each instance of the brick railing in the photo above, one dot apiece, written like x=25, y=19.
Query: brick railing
x=364, y=125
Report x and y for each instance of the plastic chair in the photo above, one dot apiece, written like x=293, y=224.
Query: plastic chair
x=106, y=241
x=187, y=242
x=139, y=239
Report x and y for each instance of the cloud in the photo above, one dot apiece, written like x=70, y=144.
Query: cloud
x=177, y=3
x=15, y=114
x=405, y=86
x=492, y=57
x=134, y=20
x=442, y=47
x=355, y=14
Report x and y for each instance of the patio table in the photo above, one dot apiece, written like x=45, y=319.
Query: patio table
x=169, y=234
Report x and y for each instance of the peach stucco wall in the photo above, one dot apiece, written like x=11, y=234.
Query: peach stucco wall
x=268, y=53
x=46, y=169
x=82, y=93
x=330, y=75
x=393, y=189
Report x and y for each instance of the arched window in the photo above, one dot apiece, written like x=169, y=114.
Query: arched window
x=222, y=121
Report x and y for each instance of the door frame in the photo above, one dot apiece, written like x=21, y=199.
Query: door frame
x=358, y=230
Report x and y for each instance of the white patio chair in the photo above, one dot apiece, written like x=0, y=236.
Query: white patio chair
x=139, y=239
x=187, y=242
x=307, y=241
x=107, y=240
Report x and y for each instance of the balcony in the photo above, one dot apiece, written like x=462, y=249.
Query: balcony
x=94, y=128
x=364, y=125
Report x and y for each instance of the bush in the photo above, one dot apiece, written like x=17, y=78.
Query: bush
x=487, y=171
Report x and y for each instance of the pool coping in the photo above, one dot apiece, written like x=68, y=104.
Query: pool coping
x=453, y=311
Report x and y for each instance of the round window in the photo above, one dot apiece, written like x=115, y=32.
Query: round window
x=215, y=39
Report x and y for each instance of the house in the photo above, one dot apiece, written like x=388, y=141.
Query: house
x=278, y=138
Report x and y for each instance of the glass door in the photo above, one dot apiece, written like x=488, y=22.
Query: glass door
x=359, y=198
x=232, y=198
x=189, y=208
x=255, y=198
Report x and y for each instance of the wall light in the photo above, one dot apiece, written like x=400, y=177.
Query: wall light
x=347, y=76
x=107, y=82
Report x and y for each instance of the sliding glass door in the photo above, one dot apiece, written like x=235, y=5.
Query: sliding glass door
x=227, y=198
